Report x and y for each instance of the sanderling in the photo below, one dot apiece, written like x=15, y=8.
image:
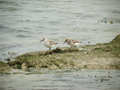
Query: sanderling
x=72, y=43
x=48, y=43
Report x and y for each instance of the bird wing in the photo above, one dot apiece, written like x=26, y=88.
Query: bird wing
x=52, y=43
x=75, y=41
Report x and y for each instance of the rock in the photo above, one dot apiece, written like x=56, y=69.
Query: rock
x=24, y=67
x=53, y=67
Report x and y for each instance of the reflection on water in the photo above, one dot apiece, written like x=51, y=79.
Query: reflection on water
x=24, y=22
x=75, y=80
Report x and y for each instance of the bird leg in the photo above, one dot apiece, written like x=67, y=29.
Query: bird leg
x=49, y=48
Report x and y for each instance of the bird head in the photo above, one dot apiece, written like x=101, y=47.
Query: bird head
x=67, y=40
x=43, y=39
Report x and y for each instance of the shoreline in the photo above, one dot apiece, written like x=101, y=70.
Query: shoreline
x=99, y=56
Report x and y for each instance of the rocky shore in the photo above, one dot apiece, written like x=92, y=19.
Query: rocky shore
x=99, y=56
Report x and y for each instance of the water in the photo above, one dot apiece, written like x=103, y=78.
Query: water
x=74, y=80
x=24, y=22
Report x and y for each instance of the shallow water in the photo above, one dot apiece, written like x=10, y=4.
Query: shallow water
x=67, y=80
x=24, y=22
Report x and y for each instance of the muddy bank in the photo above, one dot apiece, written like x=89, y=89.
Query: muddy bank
x=99, y=56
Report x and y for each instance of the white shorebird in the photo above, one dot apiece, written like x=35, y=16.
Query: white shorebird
x=48, y=43
x=72, y=43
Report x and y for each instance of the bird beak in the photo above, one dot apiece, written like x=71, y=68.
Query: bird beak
x=41, y=40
